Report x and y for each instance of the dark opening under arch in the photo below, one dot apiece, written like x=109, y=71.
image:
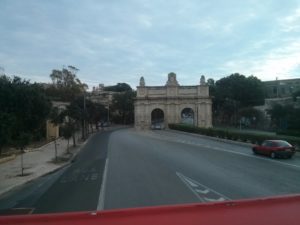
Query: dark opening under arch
x=157, y=119
x=187, y=116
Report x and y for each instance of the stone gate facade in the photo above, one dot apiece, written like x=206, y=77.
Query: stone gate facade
x=172, y=103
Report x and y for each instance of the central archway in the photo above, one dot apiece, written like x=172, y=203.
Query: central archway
x=187, y=116
x=157, y=119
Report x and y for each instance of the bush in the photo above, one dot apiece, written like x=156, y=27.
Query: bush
x=233, y=135
x=294, y=133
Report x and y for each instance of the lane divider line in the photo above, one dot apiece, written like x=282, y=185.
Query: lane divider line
x=101, y=198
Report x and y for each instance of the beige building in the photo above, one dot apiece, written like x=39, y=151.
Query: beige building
x=158, y=106
x=52, y=130
x=281, y=88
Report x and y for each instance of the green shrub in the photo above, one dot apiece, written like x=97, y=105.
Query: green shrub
x=294, y=133
x=233, y=135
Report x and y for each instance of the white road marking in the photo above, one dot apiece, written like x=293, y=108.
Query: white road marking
x=185, y=182
x=191, y=183
x=221, y=199
x=202, y=192
x=94, y=176
x=257, y=157
x=101, y=198
x=205, y=194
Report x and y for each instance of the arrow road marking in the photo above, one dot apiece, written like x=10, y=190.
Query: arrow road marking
x=221, y=199
x=202, y=192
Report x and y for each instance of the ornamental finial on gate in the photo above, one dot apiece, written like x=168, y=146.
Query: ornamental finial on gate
x=142, y=82
x=202, y=80
x=172, y=80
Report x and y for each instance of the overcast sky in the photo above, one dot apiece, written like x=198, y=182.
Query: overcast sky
x=114, y=41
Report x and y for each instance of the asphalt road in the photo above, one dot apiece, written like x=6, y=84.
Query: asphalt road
x=74, y=188
x=125, y=168
x=166, y=167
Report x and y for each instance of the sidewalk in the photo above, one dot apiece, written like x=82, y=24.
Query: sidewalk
x=37, y=162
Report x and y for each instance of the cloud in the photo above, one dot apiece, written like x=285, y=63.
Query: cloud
x=291, y=22
x=281, y=62
x=112, y=41
x=145, y=21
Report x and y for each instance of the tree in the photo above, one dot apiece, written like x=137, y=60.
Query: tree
x=285, y=117
x=68, y=129
x=22, y=140
x=56, y=117
x=96, y=113
x=92, y=113
x=65, y=84
x=75, y=113
x=295, y=95
x=248, y=91
x=210, y=82
x=251, y=117
x=7, y=122
x=24, y=108
x=123, y=107
x=119, y=87
x=233, y=93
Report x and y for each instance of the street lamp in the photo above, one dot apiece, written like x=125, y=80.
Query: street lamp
x=84, y=108
x=22, y=162
x=107, y=113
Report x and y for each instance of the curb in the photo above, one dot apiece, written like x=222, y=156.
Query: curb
x=8, y=158
x=68, y=162
x=5, y=191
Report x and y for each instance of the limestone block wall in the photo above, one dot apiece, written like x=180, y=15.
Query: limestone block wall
x=172, y=99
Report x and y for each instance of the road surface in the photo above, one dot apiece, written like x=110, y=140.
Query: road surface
x=125, y=168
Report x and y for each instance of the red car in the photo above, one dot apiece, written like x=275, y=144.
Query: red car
x=275, y=148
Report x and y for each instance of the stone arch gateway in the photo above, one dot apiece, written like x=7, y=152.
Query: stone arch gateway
x=178, y=104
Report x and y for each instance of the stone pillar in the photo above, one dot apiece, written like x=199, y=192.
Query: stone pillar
x=201, y=114
x=209, y=114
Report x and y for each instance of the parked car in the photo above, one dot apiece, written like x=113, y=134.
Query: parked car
x=103, y=124
x=275, y=148
x=157, y=126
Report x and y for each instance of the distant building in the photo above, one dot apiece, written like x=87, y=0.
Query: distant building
x=281, y=88
x=99, y=95
x=280, y=92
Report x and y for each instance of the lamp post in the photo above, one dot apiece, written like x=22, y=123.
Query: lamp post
x=108, y=113
x=22, y=162
x=83, y=128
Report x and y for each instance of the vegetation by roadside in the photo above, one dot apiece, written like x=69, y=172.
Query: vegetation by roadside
x=255, y=138
x=25, y=107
